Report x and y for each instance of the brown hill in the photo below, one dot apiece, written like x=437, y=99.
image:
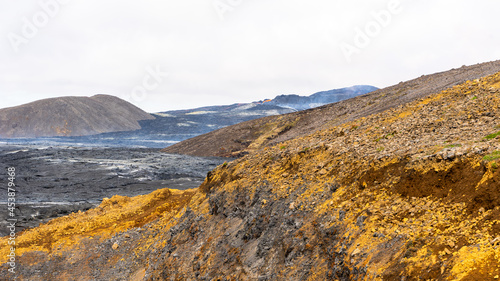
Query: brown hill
x=70, y=116
x=240, y=139
x=410, y=193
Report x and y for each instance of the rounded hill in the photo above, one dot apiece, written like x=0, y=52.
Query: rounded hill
x=70, y=116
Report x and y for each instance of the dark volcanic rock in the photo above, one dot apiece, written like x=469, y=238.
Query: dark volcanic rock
x=54, y=181
x=70, y=116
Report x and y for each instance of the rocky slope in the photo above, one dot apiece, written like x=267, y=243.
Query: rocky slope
x=409, y=193
x=240, y=139
x=70, y=116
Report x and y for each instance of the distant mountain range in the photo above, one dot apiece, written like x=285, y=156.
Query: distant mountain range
x=70, y=116
x=108, y=119
x=297, y=102
x=182, y=124
x=288, y=103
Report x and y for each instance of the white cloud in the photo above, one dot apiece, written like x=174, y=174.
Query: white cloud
x=260, y=49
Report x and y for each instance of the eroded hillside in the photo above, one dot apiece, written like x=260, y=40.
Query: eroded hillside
x=410, y=193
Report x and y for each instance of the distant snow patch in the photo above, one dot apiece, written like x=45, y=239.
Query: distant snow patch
x=200, y=112
x=244, y=107
x=163, y=114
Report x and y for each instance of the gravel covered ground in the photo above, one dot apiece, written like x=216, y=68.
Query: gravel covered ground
x=55, y=181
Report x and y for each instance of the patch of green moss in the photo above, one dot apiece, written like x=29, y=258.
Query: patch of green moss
x=494, y=165
x=495, y=155
x=388, y=136
x=492, y=136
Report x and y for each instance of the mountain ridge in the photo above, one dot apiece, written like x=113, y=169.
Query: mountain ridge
x=283, y=100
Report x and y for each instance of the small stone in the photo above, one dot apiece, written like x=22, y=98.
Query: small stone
x=496, y=240
x=292, y=206
x=115, y=246
x=360, y=221
x=323, y=172
x=342, y=214
x=355, y=252
x=450, y=155
x=264, y=201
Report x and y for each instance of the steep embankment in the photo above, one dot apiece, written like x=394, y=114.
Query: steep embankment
x=410, y=193
x=240, y=139
x=70, y=116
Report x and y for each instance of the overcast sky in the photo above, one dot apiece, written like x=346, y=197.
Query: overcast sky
x=163, y=54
